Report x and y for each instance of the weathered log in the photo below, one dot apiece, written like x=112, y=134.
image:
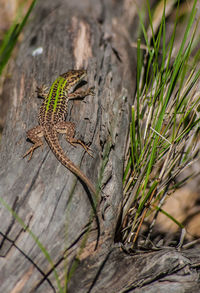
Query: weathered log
x=49, y=199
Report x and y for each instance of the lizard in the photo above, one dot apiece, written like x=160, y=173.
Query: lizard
x=51, y=120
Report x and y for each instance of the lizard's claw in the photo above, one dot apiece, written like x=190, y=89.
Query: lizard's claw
x=87, y=149
x=90, y=91
x=30, y=151
x=42, y=91
x=73, y=142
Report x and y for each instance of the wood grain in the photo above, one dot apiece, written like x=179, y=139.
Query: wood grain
x=50, y=200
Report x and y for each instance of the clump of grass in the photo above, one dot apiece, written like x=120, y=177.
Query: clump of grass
x=12, y=35
x=164, y=130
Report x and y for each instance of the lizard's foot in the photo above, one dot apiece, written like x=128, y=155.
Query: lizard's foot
x=30, y=151
x=74, y=141
x=42, y=91
x=90, y=91
x=86, y=148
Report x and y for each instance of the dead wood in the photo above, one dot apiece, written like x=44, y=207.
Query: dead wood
x=50, y=200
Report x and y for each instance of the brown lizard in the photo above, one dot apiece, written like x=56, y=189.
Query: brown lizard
x=52, y=121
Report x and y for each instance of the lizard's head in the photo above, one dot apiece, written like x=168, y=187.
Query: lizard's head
x=74, y=76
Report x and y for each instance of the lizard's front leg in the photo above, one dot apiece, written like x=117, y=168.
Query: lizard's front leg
x=68, y=128
x=81, y=93
x=42, y=91
x=35, y=134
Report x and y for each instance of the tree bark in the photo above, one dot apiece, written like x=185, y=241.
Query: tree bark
x=50, y=200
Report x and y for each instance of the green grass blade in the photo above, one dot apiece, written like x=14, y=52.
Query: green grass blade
x=169, y=216
x=11, y=38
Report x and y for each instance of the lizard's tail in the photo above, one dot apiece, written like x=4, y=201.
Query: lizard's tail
x=52, y=139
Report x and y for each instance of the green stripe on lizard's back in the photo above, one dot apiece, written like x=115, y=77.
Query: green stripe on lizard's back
x=60, y=92
x=54, y=106
x=54, y=94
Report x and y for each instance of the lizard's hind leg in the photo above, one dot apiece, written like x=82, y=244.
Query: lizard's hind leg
x=35, y=134
x=68, y=128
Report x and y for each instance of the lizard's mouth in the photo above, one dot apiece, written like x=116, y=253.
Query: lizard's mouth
x=83, y=75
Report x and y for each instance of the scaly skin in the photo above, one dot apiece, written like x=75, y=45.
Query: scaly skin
x=52, y=120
